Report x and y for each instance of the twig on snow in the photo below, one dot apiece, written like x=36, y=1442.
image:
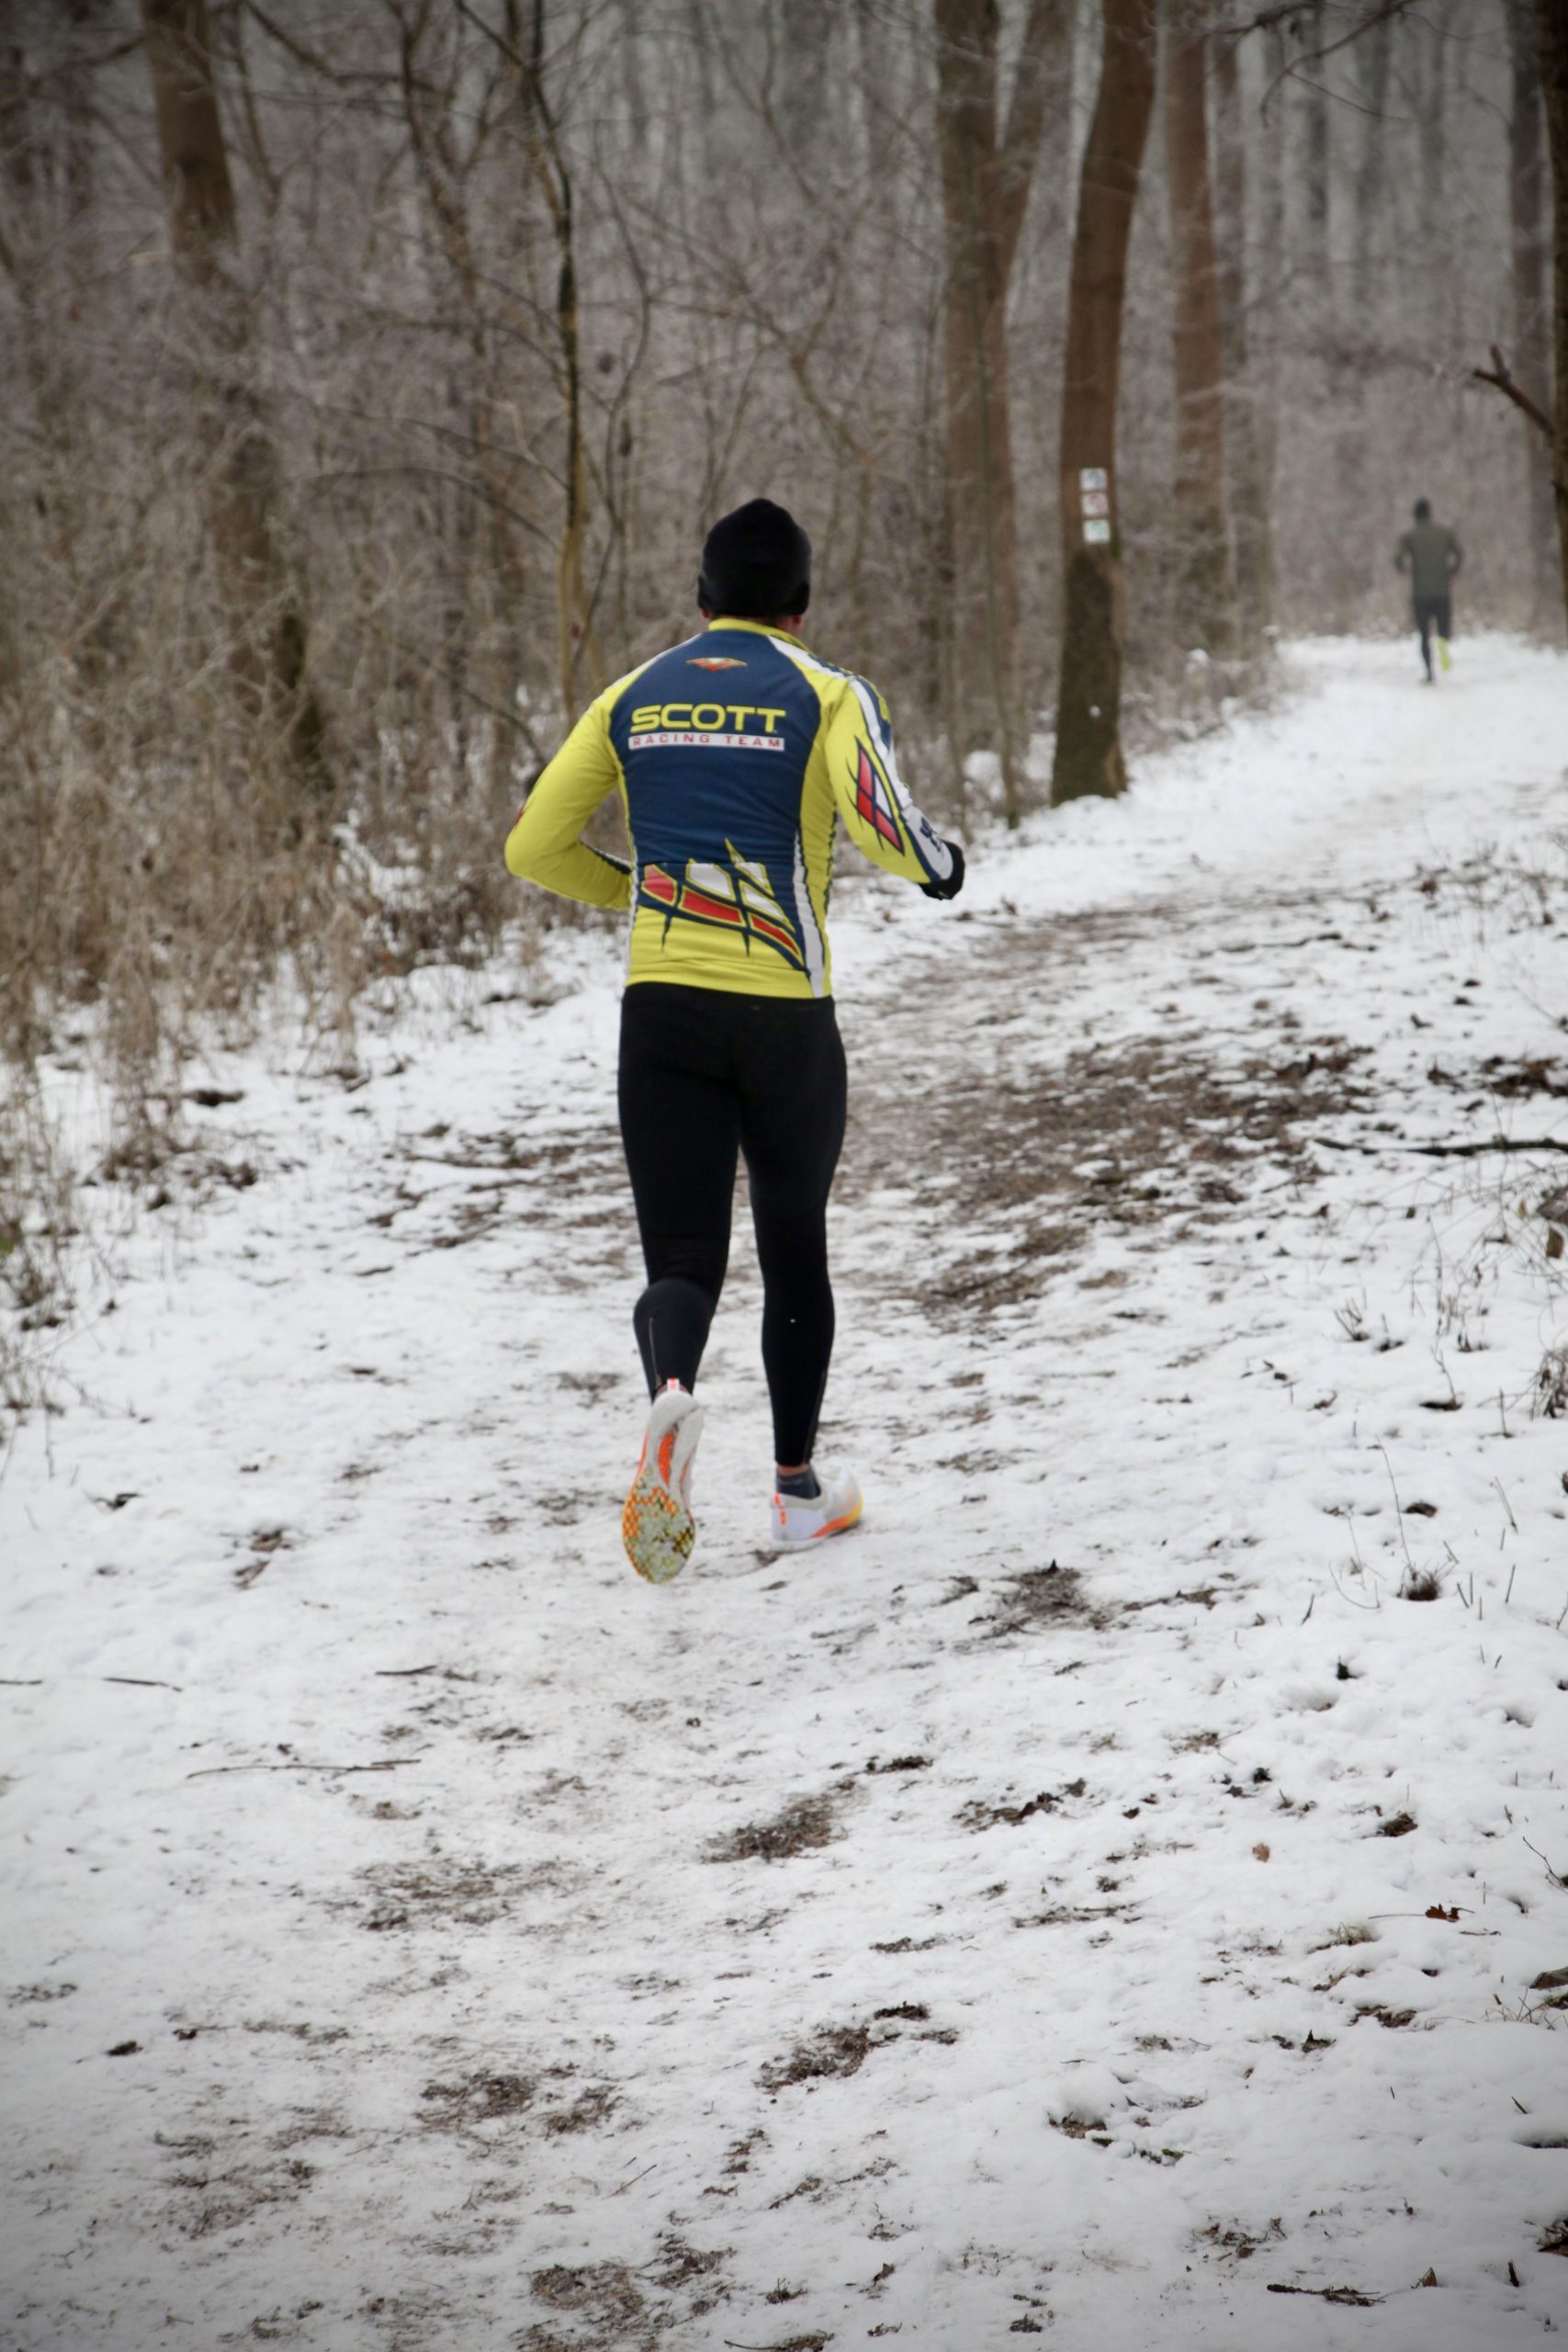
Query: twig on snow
x=1556, y=1877
x=1398, y=1510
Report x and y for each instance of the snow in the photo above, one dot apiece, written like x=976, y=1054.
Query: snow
x=1002, y=1922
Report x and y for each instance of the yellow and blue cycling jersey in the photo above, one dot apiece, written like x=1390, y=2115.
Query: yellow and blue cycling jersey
x=735, y=755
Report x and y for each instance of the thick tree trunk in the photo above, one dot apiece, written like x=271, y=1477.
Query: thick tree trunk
x=1089, y=744
x=1249, y=440
x=985, y=186
x=1206, y=615
x=1551, y=22
x=266, y=624
x=1531, y=356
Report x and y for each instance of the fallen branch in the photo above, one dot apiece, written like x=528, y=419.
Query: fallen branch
x=1330, y=2294
x=1497, y=374
x=1446, y=1150
x=387, y=1764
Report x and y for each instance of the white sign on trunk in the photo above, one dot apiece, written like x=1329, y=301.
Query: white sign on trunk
x=1096, y=533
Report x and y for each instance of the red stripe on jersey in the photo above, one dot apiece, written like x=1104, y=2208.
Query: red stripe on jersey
x=870, y=804
x=780, y=938
x=696, y=902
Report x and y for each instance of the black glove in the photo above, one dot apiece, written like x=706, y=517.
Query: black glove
x=954, y=882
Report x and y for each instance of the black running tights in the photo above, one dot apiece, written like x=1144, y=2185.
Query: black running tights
x=1432, y=613
x=705, y=1076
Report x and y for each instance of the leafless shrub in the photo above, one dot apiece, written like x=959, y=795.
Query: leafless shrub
x=40, y=1239
x=1550, y=1388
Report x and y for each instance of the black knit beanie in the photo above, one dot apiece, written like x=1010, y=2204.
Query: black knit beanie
x=756, y=564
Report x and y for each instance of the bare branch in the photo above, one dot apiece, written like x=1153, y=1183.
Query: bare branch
x=1497, y=374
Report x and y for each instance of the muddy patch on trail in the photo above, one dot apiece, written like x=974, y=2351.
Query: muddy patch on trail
x=835, y=2051
x=1132, y=1136
x=443, y=1891
x=1033, y=1151
x=476, y=2098
x=602, y=2307
x=218, y=2181
x=1034, y=1598
x=802, y=1826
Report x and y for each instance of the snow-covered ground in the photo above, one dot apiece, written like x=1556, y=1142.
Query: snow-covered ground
x=1089, y=1901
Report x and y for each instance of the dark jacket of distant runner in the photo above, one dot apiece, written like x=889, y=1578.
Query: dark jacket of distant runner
x=1431, y=554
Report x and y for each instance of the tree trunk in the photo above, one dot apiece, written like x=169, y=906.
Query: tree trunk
x=1089, y=743
x=484, y=619
x=877, y=83
x=1249, y=440
x=265, y=621
x=985, y=187
x=1373, y=51
x=1551, y=22
x=1531, y=358
x=1315, y=162
x=1205, y=590
x=1436, y=223
x=579, y=661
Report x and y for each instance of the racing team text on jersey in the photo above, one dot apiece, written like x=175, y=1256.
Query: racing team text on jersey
x=736, y=754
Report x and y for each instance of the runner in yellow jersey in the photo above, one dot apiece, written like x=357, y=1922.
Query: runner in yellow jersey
x=737, y=755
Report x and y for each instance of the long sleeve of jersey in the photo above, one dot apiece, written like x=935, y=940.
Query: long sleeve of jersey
x=878, y=814
x=545, y=844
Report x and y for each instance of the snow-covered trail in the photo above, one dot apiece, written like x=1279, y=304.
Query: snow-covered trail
x=1089, y=1901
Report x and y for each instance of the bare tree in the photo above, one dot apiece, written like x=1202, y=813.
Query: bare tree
x=1373, y=53
x=985, y=181
x=1532, y=352
x=1089, y=707
x=1432, y=95
x=1552, y=23
x=1315, y=161
x=577, y=639
x=1205, y=589
x=265, y=617
x=1249, y=422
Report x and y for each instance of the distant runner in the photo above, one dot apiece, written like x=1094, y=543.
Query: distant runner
x=736, y=754
x=1431, y=554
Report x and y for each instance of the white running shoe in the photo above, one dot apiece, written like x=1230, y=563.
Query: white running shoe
x=796, y=1524
x=657, y=1526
